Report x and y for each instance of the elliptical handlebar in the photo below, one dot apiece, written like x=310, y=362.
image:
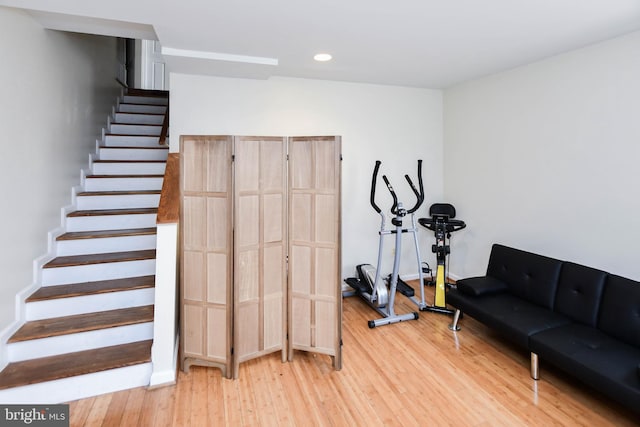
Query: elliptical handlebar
x=373, y=186
x=418, y=191
x=394, y=207
x=419, y=194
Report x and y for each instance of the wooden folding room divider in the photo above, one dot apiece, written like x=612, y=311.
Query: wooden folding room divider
x=260, y=249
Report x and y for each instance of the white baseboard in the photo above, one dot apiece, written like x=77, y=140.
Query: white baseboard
x=407, y=277
x=168, y=376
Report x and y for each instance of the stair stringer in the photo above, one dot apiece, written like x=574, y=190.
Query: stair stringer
x=20, y=301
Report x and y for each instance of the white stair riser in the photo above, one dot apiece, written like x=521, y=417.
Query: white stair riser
x=53, y=346
x=79, y=387
x=131, y=141
x=128, y=168
x=95, y=272
x=139, y=108
x=89, y=303
x=123, y=184
x=153, y=100
x=118, y=202
x=105, y=244
x=114, y=153
x=137, y=118
x=135, y=129
x=110, y=222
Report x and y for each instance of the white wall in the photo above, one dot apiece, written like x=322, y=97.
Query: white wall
x=394, y=124
x=545, y=158
x=57, y=89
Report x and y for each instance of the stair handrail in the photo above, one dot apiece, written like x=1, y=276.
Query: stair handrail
x=165, y=127
x=164, y=132
x=169, y=206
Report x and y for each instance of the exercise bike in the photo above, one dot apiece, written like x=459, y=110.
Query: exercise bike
x=442, y=223
x=369, y=284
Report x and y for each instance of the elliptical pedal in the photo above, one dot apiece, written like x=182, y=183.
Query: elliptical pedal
x=403, y=287
x=357, y=285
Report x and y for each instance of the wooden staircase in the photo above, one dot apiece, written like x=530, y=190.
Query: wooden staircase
x=89, y=327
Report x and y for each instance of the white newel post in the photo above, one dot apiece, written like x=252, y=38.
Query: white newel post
x=164, y=352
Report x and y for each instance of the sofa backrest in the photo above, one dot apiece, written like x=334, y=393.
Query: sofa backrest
x=579, y=293
x=529, y=276
x=620, y=310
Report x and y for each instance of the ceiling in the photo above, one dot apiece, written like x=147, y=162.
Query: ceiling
x=417, y=43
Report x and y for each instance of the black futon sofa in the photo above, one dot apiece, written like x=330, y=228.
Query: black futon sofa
x=582, y=320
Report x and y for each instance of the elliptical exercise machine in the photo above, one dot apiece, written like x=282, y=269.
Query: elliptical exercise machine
x=442, y=223
x=369, y=283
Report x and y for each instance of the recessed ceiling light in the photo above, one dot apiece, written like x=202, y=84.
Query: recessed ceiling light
x=322, y=57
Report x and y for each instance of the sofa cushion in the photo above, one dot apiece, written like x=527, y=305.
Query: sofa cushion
x=529, y=276
x=478, y=286
x=620, y=309
x=579, y=292
x=509, y=315
x=599, y=360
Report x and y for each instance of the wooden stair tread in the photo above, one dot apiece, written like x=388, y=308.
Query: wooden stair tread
x=100, y=212
x=158, y=93
x=72, y=364
x=118, y=193
x=103, y=258
x=144, y=103
x=141, y=114
x=126, y=176
x=131, y=134
x=57, y=326
x=138, y=124
x=92, y=288
x=159, y=147
x=77, y=235
x=129, y=161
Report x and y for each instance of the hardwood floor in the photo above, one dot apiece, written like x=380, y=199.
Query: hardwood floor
x=407, y=374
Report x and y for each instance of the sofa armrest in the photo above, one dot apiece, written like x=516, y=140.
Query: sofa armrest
x=478, y=286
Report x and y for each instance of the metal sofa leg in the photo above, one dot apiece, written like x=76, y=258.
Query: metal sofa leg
x=454, y=325
x=535, y=370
